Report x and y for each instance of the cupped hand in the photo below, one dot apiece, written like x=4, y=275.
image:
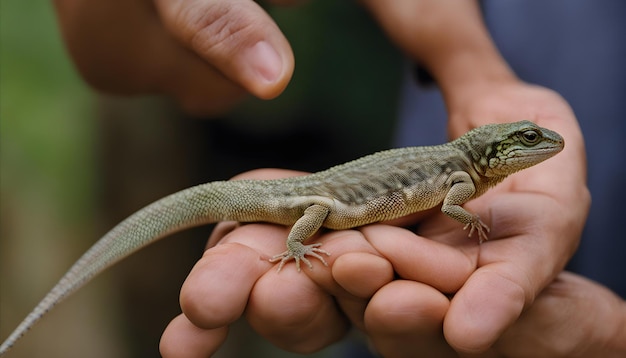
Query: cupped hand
x=536, y=217
x=307, y=311
x=299, y=312
x=541, y=211
x=444, y=281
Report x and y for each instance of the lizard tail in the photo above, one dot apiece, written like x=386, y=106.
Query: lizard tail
x=165, y=216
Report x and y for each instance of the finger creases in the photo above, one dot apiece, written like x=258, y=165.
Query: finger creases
x=416, y=258
x=237, y=37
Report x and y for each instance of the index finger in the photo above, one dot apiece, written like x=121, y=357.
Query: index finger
x=217, y=289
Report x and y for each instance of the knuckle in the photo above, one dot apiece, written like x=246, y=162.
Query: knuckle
x=222, y=25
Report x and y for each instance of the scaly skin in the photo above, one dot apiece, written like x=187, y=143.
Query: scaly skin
x=382, y=186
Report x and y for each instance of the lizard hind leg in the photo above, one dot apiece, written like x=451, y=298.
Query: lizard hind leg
x=305, y=227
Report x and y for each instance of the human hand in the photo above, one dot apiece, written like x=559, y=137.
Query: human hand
x=430, y=267
x=572, y=317
x=546, y=204
x=540, y=211
x=205, y=54
x=300, y=312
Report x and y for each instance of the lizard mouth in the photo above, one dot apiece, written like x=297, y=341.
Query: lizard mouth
x=527, y=158
x=523, y=158
x=546, y=152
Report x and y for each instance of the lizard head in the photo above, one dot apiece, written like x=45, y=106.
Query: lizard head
x=517, y=146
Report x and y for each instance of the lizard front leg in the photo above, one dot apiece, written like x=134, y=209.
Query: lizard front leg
x=461, y=190
x=305, y=227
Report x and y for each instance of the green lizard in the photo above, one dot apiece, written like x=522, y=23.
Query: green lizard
x=377, y=187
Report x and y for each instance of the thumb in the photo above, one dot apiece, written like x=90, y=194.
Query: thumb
x=237, y=37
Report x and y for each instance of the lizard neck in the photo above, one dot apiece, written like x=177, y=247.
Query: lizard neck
x=477, y=148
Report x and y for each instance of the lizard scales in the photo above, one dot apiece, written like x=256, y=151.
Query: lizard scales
x=381, y=186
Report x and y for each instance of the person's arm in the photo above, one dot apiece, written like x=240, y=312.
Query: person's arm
x=540, y=211
x=447, y=37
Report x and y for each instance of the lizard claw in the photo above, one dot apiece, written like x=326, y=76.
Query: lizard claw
x=480, y=227
x=297, y=252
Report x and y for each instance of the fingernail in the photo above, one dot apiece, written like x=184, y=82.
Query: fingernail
x=264, y=61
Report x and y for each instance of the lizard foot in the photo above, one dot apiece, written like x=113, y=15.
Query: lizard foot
x=480, y=227
x=297, y=252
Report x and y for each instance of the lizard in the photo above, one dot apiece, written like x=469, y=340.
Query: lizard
x=378, y=187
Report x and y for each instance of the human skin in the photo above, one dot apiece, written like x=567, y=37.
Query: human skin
x=206, y=55
x=402, y=315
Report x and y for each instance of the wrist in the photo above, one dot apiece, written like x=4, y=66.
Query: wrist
x=468, y=67
x=462, y=58
x=462, y=74
x=447, y=37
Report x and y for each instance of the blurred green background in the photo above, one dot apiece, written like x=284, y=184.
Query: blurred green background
x=73, y=163
x=46, y=177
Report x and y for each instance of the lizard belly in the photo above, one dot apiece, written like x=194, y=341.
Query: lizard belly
x=393, y=205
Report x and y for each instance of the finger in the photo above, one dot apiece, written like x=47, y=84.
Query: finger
x=221, y=230
x=362, y=274
x=310, y=300
x=404, y=319
x=182, y=339
x=511, y=272
x=357, y=272
x=294, y=313
x=487, y=304
x=216, y=291
x=235, y=36
x=354, y=309
x=267, y=174
x=416, y=258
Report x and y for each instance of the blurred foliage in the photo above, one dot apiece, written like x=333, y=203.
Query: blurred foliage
x=46, y=178
x=45, y=126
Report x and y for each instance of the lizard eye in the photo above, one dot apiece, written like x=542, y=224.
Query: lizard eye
x=530, y=137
